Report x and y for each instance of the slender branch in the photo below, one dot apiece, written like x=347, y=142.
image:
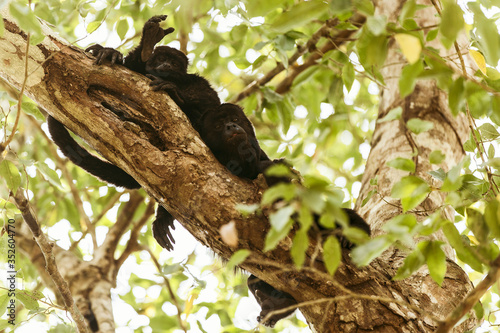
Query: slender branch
x=470, y=300
x=123, y=221
x=301, y=50
x=51, y=266
x=133, y=244
x=169, y=288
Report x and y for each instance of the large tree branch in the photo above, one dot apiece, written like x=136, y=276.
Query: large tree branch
x=143, y=132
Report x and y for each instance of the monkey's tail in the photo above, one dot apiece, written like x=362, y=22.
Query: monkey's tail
x=78, y=155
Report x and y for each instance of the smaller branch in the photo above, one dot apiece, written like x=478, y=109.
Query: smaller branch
x=470, y=300
x=123, y=221
x=301, y=50
x=133, y=244
x=51, y=266
x=109, y=204
x=332, y=43
x=169, y=288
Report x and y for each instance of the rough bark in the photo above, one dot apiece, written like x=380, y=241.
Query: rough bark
x=158, y=147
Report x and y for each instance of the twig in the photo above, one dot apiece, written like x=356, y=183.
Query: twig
x=132, y=244
x=470, y=300
x=310, y=45
x=51, y=266
x=169, y=288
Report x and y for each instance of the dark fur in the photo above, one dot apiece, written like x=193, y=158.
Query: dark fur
x=231, y=138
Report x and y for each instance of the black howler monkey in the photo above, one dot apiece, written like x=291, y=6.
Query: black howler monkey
x=191, y=92
x=167, y=67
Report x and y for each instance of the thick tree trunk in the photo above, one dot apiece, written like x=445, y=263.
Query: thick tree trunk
x=158, y=147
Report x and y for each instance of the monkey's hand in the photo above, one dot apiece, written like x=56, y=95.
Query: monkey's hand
x=152, y=33
x=162, y=226
x=105, y=53
x=169, y=87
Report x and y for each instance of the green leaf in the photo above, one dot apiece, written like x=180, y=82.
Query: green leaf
x=348, y=75
x=488, y=131
x=365, y=7
x=92, y=26
x=402, y=164
x=477, y=225
x=305, y=217
x=271, y=96
x=452, y=21
x=431, y=35
x=314, y=200
x=32, y=110
x=335, y=92
x=401, y=225
x=376, y=24
x=299, y=15
x=49, y=174
x=412, y=263
x=273, y=237
x=392, y=115
x=299, y=247
x=408, y=10
x=25, y=17
x=492, y=217
x=332, y=254
x=285, y=191
x=453, y=181
x=237, y=258
x=4, y=323
x=486, y=36
x=456, y=96
x=411, y=190
x=280, y=219
x=463, y=252
x=246, y=210
x=363, y=254
x=479, y=310
x=340, y=6
x=27, y=299
x=408, y=78
x=491, y=151
x=436, y=261
x=258, y=62
x=372, y=50
x=436, y=157
x=439, y=174
x=4, y=301
x=11, y=174
x=122, y=28
x=262, y=7
x=418, y=126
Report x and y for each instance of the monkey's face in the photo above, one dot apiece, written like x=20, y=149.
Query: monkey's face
x=226, y=128
x=166, y=60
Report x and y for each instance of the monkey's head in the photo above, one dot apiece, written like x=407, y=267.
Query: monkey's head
x=166, y=61
x=226, y=127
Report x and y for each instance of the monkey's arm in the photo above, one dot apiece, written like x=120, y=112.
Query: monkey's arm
x=152, y=33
